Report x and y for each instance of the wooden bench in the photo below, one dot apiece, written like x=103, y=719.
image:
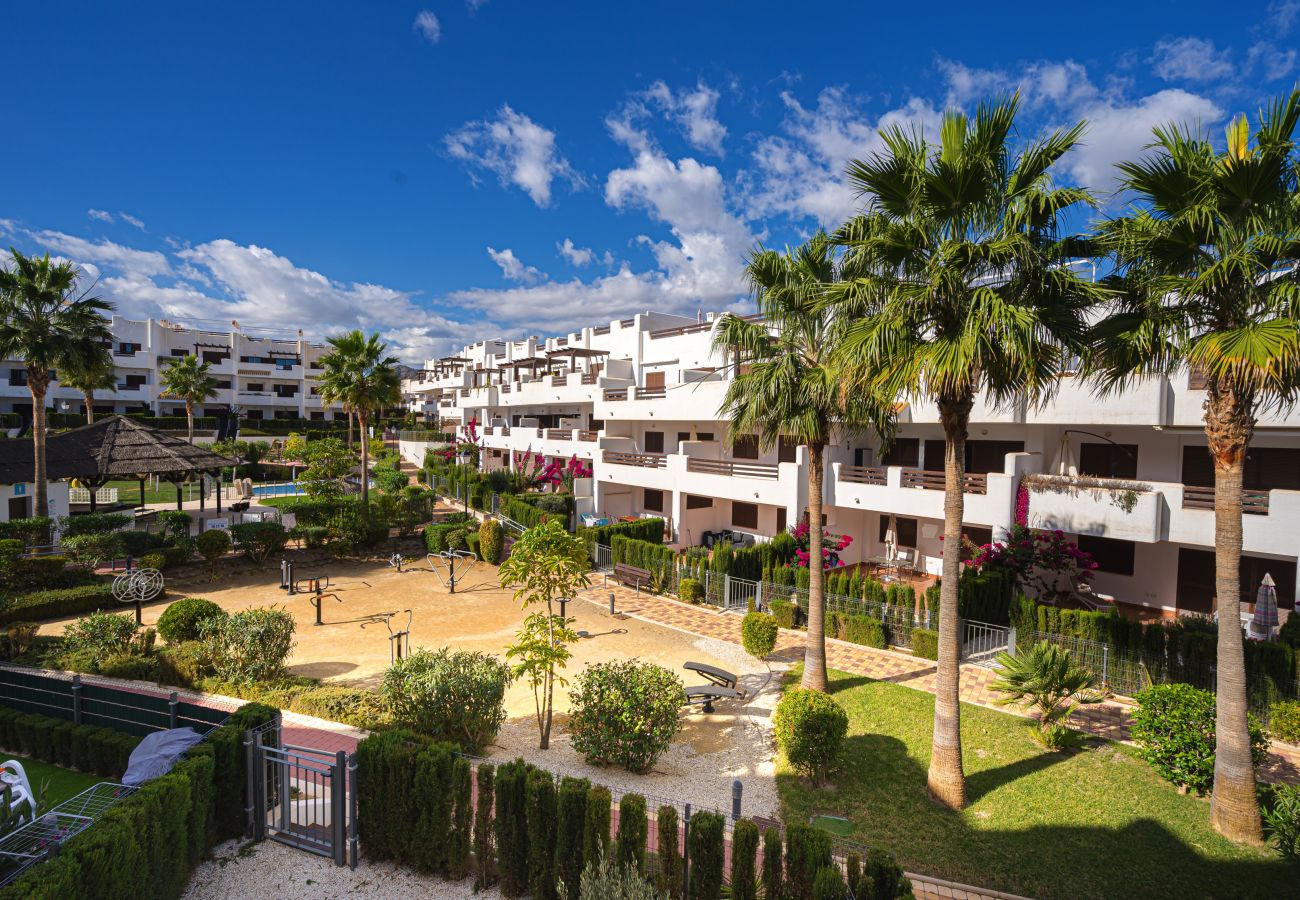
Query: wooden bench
x=720, y=677
x=631, y=576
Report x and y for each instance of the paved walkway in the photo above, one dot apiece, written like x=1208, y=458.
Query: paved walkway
x=1108, y=720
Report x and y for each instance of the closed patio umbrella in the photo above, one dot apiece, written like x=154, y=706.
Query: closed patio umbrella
x=891, y=538
x=1066, y=463
x=1264, y=623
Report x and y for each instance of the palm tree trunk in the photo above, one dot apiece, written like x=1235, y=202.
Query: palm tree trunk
x=38, y=382
x=814, y=658
x=1234, y=809
x=350, y=419
x=90, y=407
x=189, y=419
x=947, y=780
x=365, y=468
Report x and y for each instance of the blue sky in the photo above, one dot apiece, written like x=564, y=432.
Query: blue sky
x=445, y=171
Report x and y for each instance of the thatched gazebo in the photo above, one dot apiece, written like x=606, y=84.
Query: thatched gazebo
x=116, y=447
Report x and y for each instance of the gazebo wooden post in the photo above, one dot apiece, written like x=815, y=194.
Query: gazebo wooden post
x=180, y=502
x=142, y=478
x=218, y=492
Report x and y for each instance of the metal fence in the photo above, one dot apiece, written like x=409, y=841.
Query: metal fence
x=982, y=643
x=899, y=619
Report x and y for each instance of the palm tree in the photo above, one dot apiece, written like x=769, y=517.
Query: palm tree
x=965, y=288
x=46, y=320
x=1209, y=264
x=188, y=379
x=359, y=375
x=790, y=391
x=93, y=372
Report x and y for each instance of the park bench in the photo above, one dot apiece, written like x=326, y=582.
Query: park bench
x=721, y=686
x=631, y=576
x=146, y=517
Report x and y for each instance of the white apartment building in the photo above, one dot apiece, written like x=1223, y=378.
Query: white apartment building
x=266, y=376
x=640, y=398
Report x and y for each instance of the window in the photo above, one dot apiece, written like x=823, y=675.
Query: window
x=786, y=448
x=906, y=530
x=128, y=348
x=134, y=382
x=1265, y=468
x=223, y=384
x=652, y=500
x=983, y=457
x=695, y=502
x=1108, y=460
x=746, y=447
x=903, y=452
x=744, y=515
x=977, y=535
x=1111, y=555
x=654, y=442
x=215, y=359
x=253, y=387
x=317, y=415
x=935, y=451
x=18, y=377
x=180, y=354
x=780, y=519
x=254, y=414
x=286, y=390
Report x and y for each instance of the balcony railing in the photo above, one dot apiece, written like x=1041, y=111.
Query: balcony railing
x=933, y=481
x=768, y=471
x=612, y=394
x=877, y=475
x=559, y=434
x=684, y=329
x=559, y=380
x=651, y=393
x=1254, y=503
x=588, y=435
x=643, y=460
x=589, y=378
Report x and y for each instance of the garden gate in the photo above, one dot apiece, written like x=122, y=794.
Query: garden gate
x=300, y=796
x=982, y=643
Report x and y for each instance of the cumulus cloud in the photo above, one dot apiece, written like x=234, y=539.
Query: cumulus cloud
x=582, y=256
x=427, y=24
x=1190, y=59
x=515, y=149
x=693, y=110
x=512, y=267
x=1272, y=62
x=146, y=263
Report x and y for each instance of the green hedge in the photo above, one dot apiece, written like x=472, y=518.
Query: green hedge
x=61, y=602
x=651, y=530
x=987, y=596
x=87, y=748
x=707, y=852
x=661, y=561
x=925, y=643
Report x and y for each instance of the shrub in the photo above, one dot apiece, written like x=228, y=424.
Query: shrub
x=758, y=632
x=828, y=884
x=472, y=542
x=175, y=524
x=807, y=851
x=100, y=634
x=1174, y=727
x=92, y=523
x=485, y=851
x=251, y=645
x=570, y=822
x=1284, y=720
x=810, y=729
x=511, y=821
x=137, y=543
x=18, y=639
x=182, y=620
x=258, y=540
x=60, y=602
x=491, y=540
x=93, y=548
x=785, y=613
x=313, y=537
x=1282, y=820
x=456, y=696
x=668, y=871
x=462, y=813
x=595, y=833
x=178, y=554
x=689, y=590
x=605, y=879
x=541, y=806
x=925, y=643
x=880, y=879
x=773, y=876
x=153, y=561
x=183, y=664
x=131, y=666
x=1052, y=684
x=706, y=856
x=213, y=544
x=865, y=630
x=625, y=713
x=37, y=573
x=744, y=860
x=630, y=841
x=457, y=539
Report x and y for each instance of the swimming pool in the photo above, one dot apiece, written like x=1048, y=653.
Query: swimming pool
x=278, y=490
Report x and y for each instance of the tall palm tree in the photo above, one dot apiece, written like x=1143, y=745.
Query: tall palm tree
x=965, y=288
x=93, y=372
x=46, y=320
x=790, y=391
x=361, y=376
x=189, y=380
x=1209, y=264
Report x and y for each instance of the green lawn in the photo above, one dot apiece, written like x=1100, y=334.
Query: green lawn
x=1096, y=822
x=60, y=784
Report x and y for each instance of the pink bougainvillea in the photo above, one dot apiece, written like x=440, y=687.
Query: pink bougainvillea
x=1045, y=563
x=832, y=546
x=1022, y=505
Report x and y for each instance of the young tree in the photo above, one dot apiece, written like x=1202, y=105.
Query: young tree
x=1208, y=267
x=188, y=379
x=93, y=372
x=360, y=375
x=545, y=564
x=790, y=391
x=329, y=462
x=962, y=285
x=46, y=320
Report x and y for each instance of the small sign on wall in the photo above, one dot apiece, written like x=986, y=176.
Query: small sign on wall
x=20, y=490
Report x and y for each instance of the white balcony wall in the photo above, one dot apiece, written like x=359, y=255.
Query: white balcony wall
x=1272, y=534
x=1143, y=403
x=1100, y=512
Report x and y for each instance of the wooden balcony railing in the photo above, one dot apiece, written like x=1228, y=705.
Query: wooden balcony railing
x=505, y=389
x=588, y=435
x=589, y=378
x=933, y=481
x=878, y=475
x=644, y=460
x=559, y=380
x=612, y=394
x=651, y=393
x=768, y=471
x=685, y=329
x=559, y=434
x=1254, y=503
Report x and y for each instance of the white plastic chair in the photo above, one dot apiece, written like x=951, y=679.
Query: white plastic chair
x=20, y=789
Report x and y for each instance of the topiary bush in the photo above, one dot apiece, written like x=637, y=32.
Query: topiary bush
x=153, y=561
x=758, y=632
x=485, y=845
x=668, y=868
x=491, y=540
x=571, y=820
x=706, y=840
x=182, y=620
x=251, y=645
x=689, y=590
x=1284, y=720
x=511, y=826
x=925, y=643
x=595, y=832
x=213, y=544
x=865, y=630
x=828, y=884
x=810, y=728
x=630, y=841
x=785, y=613
x=456, y=696
x=541, y=804
x=773, y=870
x=625, y=713
x=807, y=851
x=1174, y=729
x=744, y=861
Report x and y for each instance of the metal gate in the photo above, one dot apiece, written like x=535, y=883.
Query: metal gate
x=982, y=643
x=301, y=796
x=741, y=593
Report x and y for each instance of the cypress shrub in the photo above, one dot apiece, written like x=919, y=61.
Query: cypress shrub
x=925, y=643
x=866, y=630
x=491, y=540
x=462, y=818
x=571, y=822
x=773, y=874
x=595, y=837
x=828, y=884
x=807, y=850
x=512, y=827
x=632, y=831
x=882, y=878
x=706, y=833
x=744, y=860
x=785, y=613
x=485, y=856
x=386, y=787
x=428, y=833
x=540, y=801
x=668, y=871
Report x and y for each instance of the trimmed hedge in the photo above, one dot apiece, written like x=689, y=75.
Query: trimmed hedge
x=925, y=643
x=88, y=748
x=668, y=870
x=744, y=861
x=630, y=842
x=707, y=851
x=60, y=602
x=651, y=530
x=865, y=630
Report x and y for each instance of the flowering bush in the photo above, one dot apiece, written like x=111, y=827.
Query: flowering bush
x=832, y=546
x=1045, y=563
x=625, y=713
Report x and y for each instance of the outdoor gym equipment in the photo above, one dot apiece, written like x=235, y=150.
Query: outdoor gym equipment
x=138, y=586
x=399, y=642
x=316, y=585
x=451, y=566
x=397, y=560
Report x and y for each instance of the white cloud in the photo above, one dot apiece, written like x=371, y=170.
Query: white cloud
x=1274, y=62
x=512, y=267
x=515, y=149
x=428, y=25
x=475, y=4
x=582, y=256
x=131, y=220
x=1190, y=59
x=1282, y=16
x=693, y=111
x=100, y=215
x=1040, y=83
x=145, y=263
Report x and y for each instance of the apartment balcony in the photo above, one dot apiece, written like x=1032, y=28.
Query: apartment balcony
x=1270, y=519
x=990, y=499
x=1111, y=508
x=693, y=400
x=561, y=442
x=779, y=484
x=267, y=398
x=1145, y=402
x=574, y=387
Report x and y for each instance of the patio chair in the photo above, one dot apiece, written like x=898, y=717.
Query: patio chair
x=907, y=560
